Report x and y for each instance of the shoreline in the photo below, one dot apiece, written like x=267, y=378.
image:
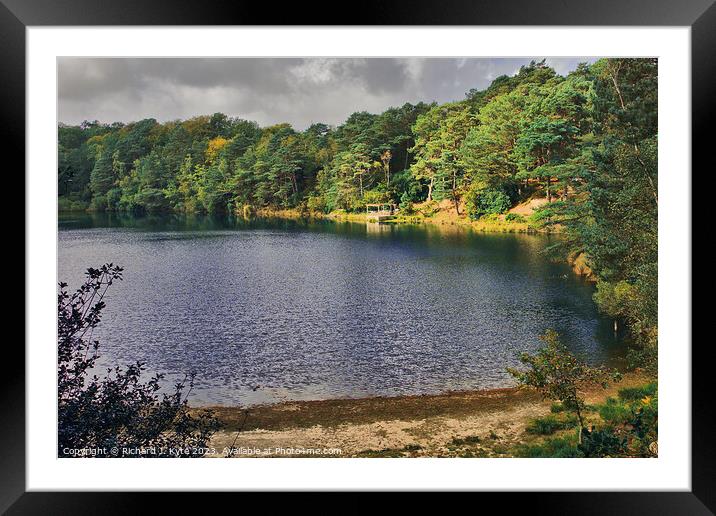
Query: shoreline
x=442, y=218
x=439, y=219
x=488, y=422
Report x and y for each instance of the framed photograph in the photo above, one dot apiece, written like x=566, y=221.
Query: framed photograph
x=436, y=249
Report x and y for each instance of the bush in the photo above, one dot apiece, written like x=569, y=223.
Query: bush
x=558, y=447
x=560, y=376
x=556, y=408
x=99, y=203
x=483, y=201
x=65, y=204
x=406, y=204
x=645, y=358
x=602, y=443
x=614, y=412
x=515, y=217
x=550, y=424
x=490, y=217
x=631, y=424
x=317, y=203
x=116, y=414
x=638, y=393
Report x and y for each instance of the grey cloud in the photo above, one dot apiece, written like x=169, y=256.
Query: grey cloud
x=268, y=90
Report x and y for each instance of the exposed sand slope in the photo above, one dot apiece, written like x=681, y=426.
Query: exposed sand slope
x=527, y=208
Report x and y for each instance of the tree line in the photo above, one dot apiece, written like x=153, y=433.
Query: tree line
x=586, y=142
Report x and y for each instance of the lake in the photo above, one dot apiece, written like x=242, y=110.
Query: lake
x=315, y=310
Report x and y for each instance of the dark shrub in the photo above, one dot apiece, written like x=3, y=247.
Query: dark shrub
x=602, y=443
x=515, y=217
x=481, y=202
x=116, y=415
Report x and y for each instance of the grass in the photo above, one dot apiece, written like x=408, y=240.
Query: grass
x=620, y=411
x=556, y=447
x=556, y=408
x=550, y=424
x=614, y=412
x=638, y=393
x=611, y=434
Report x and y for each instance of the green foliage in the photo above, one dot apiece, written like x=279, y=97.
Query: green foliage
x=558, y=375
x=614, y=412
x=625, y=427
x=482, y=201
x=556, y=447
x=556, y=408
x=439, y=133
x=602, y=443
x=116, y=413
x=638, y=393
x=611, y=212
x=630, y=425
x=68, y=204
x=550, y=424
x=515, y=217
x=645, y=358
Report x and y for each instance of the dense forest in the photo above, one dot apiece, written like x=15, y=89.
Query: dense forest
x=586, y=142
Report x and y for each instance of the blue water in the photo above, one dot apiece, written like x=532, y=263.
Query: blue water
x=324, y=310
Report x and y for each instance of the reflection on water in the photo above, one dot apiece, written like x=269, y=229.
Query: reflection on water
x=318, y=309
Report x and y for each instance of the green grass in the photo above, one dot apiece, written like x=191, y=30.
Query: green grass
x=637, y=393
x=550, y=424
x=556, y=447
x=65, y=204
x=556, y=408
x=614, y=412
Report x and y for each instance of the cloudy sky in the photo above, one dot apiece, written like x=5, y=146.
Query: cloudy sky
x=269, y=90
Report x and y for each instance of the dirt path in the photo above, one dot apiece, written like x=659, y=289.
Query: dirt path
x=408, y=426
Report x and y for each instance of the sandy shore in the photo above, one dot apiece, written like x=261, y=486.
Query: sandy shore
x=475, y=423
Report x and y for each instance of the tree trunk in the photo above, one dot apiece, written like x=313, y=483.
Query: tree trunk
x=549, y=194
x=430, y=189
x=454, y=192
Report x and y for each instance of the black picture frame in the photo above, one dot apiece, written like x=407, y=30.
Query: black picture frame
x=16, y=15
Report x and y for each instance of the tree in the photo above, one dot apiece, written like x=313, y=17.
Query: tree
x=612, y=216
x=385, y=158
x=487, y=153
x=352, y=171
x=438, y=136
x=117, y=413
x=560, y=376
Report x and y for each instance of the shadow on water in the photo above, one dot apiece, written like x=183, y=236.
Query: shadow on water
x=317, y=309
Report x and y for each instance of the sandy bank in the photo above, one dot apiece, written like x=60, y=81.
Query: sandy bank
x=487, y=423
